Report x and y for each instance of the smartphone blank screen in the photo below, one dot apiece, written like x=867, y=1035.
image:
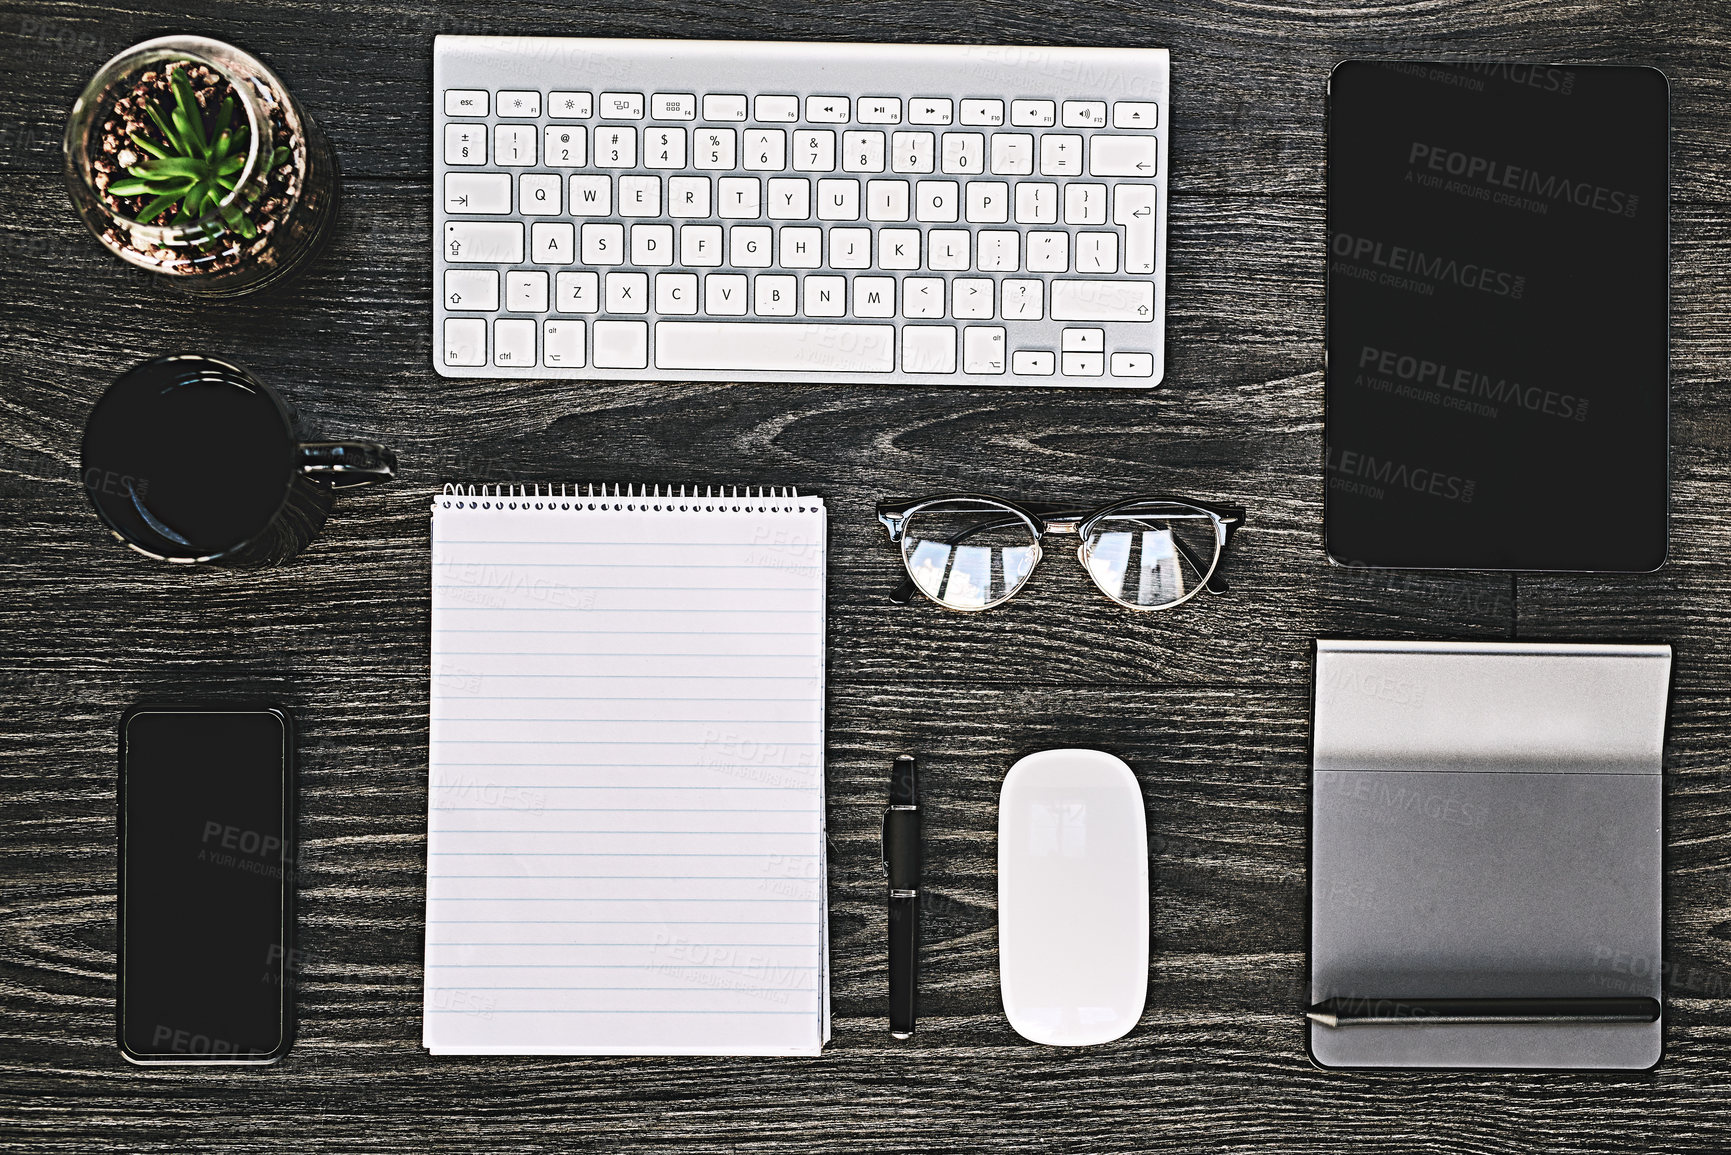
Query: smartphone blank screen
x=204, y=883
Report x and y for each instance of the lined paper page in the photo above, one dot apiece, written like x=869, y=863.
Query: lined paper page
x=626, y=809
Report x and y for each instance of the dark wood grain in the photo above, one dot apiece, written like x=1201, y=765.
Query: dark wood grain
x=1209, y=705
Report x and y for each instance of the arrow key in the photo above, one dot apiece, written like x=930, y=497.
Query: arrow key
x=1123, y=156
x=472, y=289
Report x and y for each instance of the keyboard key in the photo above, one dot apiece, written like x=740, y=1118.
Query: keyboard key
x=526, y=291
x=604, y=244
x=765, y=148
x=1033, y=113
x=577, y=292
x=774, y=295
x=565, y=146
x=615, y=148
x=789, y=198
x=1012, y=153
x=838, y=200
x=826, y=296
x=538, y=194
x=937, y=200
x=930, y=110
x=814, y=150
x=1084, y=341
x=1084, y=364
x=1060, y=154
x=984, y=112
x=862, y=151
x=923, y=297
x=928, y=349
x=639, y=196
x=514, y=343
x=518, y=104
x=514, y=145
x=827, y=109
x=477, y=192
x=1132, y=364
x=465, y=341
x=874, y=296
x=688, y=196
x=700, y=245
x=880, y=110
x=898, y=248
x=484, y=242
x=912, y=151
x=621, y=345
x=971, y=298
x=1084, y=204
x=999, y=251
x=717, y=148
x=1123, y=155
x=652, y=245
x=947, y=250
x=776, y=108
x=1084, y=114
x=1096, y=252
x=965, y=152
x=1133, y=207
x=735, y=347
x=1033, y=363
x=1023, y=300
x=983, y=349
x=1048, y=252
x=1119, y=299
x=664, y=148
x=626, y=292
x=473, y=289
x=552, y=244
x=741, y=196
x=749, y=246
x=570, y=105
x=562, y=344
x=801, y=248
x=465, y=144
x=717, y=106
x=850, y=248
x=1036, y=203
x=724, y=294
x=621, y=106
x=676, y=294
x=988, y=202
x=465, y=102
x=1135, y=114
x=673, y=106
x=591, y=196
x=887, y=200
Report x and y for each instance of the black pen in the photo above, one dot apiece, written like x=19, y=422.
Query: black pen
x=901, y=854
x=1445, y=1012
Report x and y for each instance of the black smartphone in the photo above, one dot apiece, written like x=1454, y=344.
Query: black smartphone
x=206, y=884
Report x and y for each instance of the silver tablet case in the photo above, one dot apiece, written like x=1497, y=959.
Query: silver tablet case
x=1486, y=822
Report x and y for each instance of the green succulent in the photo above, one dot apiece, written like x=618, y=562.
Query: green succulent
x=194, y=165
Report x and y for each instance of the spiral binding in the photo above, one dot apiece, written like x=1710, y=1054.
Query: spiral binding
x=631, y=498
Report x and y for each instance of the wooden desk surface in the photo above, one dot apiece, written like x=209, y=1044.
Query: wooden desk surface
x=1209, y=704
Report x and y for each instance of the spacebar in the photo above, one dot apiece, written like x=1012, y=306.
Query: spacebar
x=750, y=346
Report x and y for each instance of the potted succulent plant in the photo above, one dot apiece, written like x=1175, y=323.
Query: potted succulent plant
x=188, y=157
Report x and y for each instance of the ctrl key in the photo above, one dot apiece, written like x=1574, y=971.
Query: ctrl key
x=465, y=341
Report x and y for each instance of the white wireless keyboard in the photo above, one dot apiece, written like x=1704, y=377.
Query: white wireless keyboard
x=714, y=211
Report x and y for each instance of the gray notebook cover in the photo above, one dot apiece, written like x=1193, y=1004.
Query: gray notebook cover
x=1486, y=822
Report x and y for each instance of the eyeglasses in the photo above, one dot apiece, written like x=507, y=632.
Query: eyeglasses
x=970, y=552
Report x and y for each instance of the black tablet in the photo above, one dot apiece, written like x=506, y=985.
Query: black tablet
x=1497, y=361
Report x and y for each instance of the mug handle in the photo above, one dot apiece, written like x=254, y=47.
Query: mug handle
x=346, y=464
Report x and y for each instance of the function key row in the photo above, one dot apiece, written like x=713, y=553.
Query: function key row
x=515, y=104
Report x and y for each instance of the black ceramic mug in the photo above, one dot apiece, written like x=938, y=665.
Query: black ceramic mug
x=191, y=459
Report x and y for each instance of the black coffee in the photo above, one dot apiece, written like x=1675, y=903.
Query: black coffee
x=188, y=457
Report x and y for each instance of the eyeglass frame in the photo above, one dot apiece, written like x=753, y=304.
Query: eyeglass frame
x=1061, y=519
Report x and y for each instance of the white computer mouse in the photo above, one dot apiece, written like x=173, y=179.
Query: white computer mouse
x=1072, y=897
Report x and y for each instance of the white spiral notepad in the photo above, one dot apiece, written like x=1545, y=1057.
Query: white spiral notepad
x=626, y=806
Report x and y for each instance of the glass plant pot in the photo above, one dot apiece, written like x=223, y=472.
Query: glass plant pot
x=271, y=186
